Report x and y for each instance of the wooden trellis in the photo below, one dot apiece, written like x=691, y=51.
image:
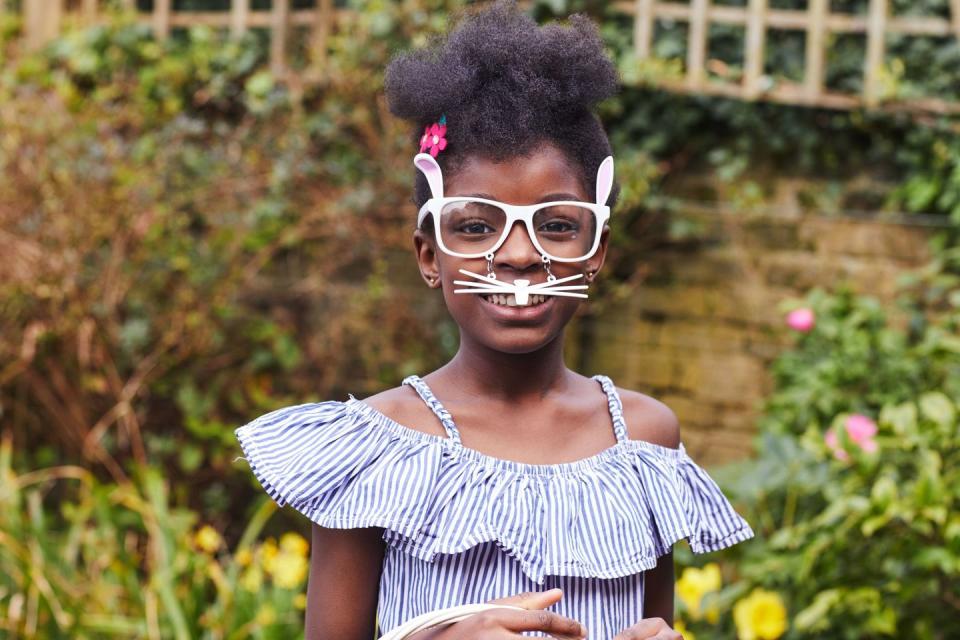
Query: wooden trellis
x=43, y=18
x=817, y=21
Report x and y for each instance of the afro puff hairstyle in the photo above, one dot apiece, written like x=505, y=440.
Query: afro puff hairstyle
x=506, y=86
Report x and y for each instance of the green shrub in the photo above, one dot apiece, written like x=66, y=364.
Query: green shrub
x=83, y=559
x=863, y=159
x=190, y=243
x=858, y=533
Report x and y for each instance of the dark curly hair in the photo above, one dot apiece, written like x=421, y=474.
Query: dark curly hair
x=506, y=86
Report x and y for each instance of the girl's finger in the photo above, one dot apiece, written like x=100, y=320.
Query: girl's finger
x=649, y=629
x=546, y=621
x=532, y=599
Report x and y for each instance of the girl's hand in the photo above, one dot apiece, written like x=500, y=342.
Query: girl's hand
x=503, y=624
x=649, y=629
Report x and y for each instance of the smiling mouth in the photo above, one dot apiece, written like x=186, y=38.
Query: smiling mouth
x=509, y=300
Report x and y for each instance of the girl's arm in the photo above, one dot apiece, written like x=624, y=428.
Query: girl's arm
x=658, y=590
x=344, y=583
x=657, y=623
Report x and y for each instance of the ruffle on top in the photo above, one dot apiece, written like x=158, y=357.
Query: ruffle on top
x=346, y=465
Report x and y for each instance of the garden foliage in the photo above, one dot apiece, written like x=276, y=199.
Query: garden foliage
x=193, y=243
x=855, y=488
x=188, y=243
x=121, y=561
x=859, y=160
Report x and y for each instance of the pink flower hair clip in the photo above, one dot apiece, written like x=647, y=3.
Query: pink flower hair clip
x=433, y=140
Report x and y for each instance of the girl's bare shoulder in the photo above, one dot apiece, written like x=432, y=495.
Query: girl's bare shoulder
x=403, y=405
x=649, y=419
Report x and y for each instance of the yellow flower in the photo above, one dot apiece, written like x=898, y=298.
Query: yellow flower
x=694, y=584
x=244, y=557
x=712, y=614
x=711, y=577
x=266, y=615
x=268, y=552
x=681, y=628
x=300, y=601
x=760, y=616
x=289, y=570
x=294, y=543
x=252, y=579
x=207, y=539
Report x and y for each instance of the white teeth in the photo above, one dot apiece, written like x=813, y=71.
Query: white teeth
x=509, y=300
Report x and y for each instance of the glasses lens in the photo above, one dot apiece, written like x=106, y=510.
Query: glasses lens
x=566, y=231
x=471, y=227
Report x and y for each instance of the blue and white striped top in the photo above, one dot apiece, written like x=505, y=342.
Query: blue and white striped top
x=464, y=527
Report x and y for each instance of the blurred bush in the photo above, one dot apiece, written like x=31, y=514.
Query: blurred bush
x=855, y=488
x=84, y=559
x=864, y=160
x=188, y=244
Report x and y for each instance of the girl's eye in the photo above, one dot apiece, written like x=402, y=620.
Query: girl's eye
x=558, y=226
x=475, y=227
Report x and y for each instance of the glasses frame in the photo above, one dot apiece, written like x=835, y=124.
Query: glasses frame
x=514, y=213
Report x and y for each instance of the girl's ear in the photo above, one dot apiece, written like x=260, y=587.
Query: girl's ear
x=595, y=262
x=427, y=261
x=428, y=166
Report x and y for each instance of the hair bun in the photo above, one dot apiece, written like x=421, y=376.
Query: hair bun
x=507, y=85
x=501, y=60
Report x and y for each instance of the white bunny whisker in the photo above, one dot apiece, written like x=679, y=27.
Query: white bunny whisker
x=521, y=289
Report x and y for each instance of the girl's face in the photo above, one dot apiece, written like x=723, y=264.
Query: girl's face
x=542, y=176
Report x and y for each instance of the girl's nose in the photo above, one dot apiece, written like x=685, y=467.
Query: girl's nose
x=517, y=251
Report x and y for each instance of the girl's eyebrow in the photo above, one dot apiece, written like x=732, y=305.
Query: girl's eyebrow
x=550, y=197
x=485, y=196
x=555, y=197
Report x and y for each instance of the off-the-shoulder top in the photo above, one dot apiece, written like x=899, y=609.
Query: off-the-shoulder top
x=464, y=527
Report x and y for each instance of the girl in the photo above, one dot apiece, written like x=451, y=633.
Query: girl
x=502, y=476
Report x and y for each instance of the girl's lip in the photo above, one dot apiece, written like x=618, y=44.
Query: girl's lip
x=528, y=314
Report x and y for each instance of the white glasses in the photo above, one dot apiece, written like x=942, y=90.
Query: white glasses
x=564, y=231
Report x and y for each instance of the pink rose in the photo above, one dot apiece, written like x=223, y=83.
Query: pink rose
x=833, y=443
x=861, y=431
x=801, y=320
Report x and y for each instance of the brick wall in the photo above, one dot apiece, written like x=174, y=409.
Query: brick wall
x=701, y=331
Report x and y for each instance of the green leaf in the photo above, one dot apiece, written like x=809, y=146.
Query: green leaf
x=938, y=408
x=902, y=417
x=191, y=457
x=815, y=617
x=883, y=621
x=872, y=524
x=260, y=84
x=884, y=491
x=938, y=558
